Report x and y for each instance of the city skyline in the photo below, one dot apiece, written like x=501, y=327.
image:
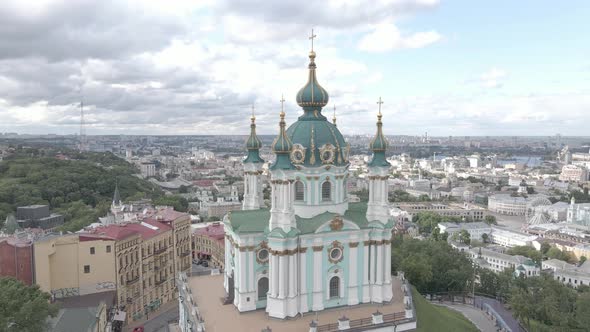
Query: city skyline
x=459, y=68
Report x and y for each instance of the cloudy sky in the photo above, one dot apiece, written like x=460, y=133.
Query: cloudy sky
x=468, y=67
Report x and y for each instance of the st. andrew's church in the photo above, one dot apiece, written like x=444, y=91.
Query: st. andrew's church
x=313, y=249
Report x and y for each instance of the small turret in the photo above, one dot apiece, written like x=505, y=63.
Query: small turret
x=253, y=143
x=379, y=143
x=282, y=147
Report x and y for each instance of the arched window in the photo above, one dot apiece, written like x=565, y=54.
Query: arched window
x=299, y=191
x=262, y=288
x=334, y=287
x=326, y=191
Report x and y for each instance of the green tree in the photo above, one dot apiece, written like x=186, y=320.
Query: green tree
x=522, y=304
x=490, y=220
x=582, y=260
x=435, y=233
x=10, y=225
x=485, y=238
x=526, y=251
x=464, y=236
x=23, y=308
x=582, y=311
x=545, y=246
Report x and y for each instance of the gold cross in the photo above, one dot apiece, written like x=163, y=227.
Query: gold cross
x=311, y=38
x=380, y=102
x=282, y=103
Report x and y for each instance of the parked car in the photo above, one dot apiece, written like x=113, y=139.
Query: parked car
x=205, y=264
x=138, y=329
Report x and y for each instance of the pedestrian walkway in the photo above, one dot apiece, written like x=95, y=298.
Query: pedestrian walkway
x=153, y=315
x=476, y=316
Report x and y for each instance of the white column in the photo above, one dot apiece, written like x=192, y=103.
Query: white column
x=352, y=276
x=318, y=298
x=274, y=275
x=387, y=287
x=302, y=282
x=292, y=275
x=366, y=292
x=252, y=286
x=372, y=264
x=387, y=271
x=282, y=277
x=380, y=264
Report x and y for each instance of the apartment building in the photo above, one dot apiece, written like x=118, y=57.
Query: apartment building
x=498, y=262
x=209, y=243
x=568, y=274
x=74, y=264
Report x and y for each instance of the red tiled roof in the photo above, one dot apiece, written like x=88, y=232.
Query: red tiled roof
x=204, y=183
x=83, y=237
x=123, y=231
x=214, y=231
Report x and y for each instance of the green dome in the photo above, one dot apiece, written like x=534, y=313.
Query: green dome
x=319, y=141
x=378, y=145
x=312, y=97
x=253, y=144
x=282, y=147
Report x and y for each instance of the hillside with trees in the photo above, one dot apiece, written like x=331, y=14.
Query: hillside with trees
x=78, y=185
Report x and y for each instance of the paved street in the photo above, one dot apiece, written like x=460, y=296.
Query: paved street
x=160, y=323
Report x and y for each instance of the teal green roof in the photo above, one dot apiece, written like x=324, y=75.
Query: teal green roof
x=312, y=135
x=379, y=145
x=253, y=145
x=356, y=213
x=256, y=221
x=312, y=97
x=249, y=221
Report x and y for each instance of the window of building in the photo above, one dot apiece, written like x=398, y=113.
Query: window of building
x=262, y=288
x=108, y=248
x=299, y=191
x=92, y=250
x=326, y=191
x=86, y=268
x=334, y=287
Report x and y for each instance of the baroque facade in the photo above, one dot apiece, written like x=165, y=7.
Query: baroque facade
x=312, y=250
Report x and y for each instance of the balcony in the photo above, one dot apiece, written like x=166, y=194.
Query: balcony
x=161, y=250
x=132, y=281
x=161, y=281
x=184, y=254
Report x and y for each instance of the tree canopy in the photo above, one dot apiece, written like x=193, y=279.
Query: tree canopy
x=23, y=308
x=79, y=185
x=432, y=266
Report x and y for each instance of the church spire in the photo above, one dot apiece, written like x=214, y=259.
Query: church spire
x=312, y=97
x=253, y=143
x=282, y=145
x=116, y=195
x=334, y=117
x=379, y=143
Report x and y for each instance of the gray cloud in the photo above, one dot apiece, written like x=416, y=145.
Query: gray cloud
x=84, y=29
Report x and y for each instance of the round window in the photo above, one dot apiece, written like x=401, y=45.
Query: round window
x=336, y=254
x=262, y=255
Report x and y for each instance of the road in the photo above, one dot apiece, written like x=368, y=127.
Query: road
x=160, y=322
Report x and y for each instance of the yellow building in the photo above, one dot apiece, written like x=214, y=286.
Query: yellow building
x=74, y=264
x=139, y=260
x=209, y=243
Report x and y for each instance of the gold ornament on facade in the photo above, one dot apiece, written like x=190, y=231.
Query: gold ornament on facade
x=318, y=248
x=336, y=252
x=298, y=154
x=337, y=223
x=327, y=153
